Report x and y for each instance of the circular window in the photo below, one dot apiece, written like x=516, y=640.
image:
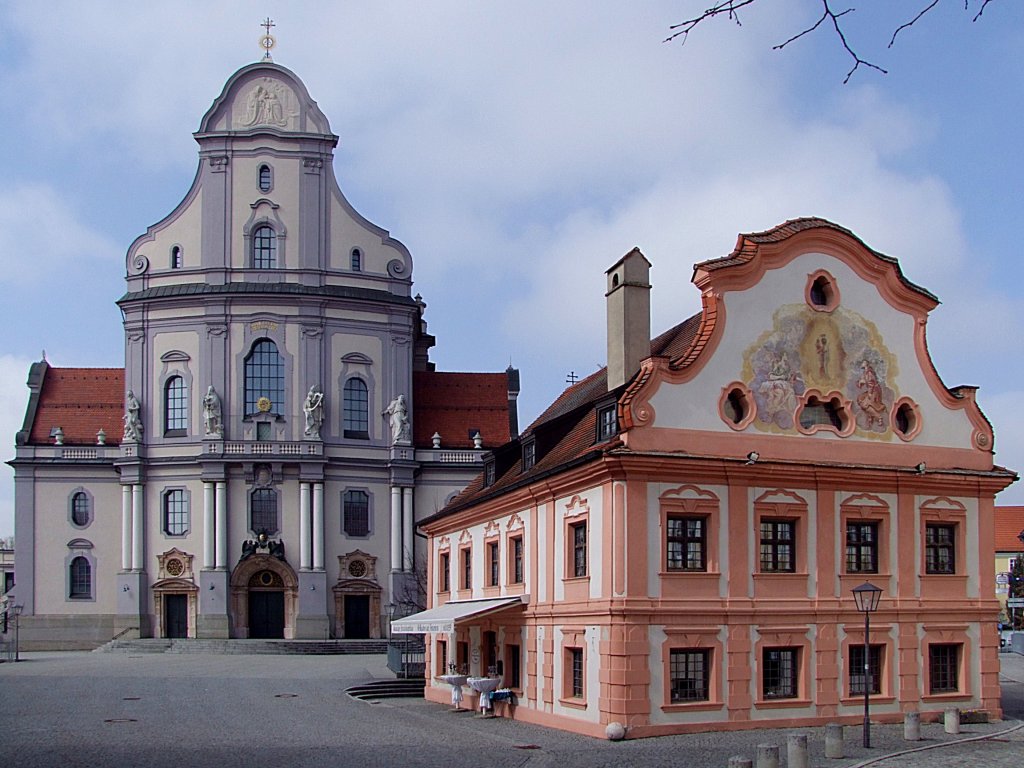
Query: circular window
x=357, y=569
x=175, y=567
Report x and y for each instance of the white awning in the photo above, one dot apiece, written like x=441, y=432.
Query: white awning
x=443, y=618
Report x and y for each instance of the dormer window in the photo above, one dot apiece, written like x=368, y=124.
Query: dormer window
x=607, y=422
x=529, y=455
x=266, y=179
x=489, y=473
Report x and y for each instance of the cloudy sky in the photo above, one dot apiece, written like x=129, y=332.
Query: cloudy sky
x=518, y=149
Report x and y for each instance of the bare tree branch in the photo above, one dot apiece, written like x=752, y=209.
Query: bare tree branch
x=730, y=9
x=913, y=21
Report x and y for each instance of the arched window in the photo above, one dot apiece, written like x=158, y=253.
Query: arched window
x=176, y=257
x=264, y=247
x=356, y=514
x=80, y=509
x=265, y=178
x=356, y=409
x=175, y=513
x=264, y=379
x=175, y=406
x=263, y=511
x=357, y=260
x=80, y=582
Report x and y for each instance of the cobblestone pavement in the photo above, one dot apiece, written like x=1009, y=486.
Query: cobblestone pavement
x=98, y=710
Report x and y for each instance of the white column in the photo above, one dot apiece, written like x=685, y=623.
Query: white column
x=318, y=526
x=209, y=533
x=408, y=544
x=221, y=526
x=396, y=528
x=304, y=543
x=138, y=528
x=126, y=527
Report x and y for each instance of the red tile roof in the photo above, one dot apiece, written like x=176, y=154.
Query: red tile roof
x=80, y=401
x=1009, y=522
x=454, y=405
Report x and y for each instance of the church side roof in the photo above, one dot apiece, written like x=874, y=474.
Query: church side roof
x=1009, y=523
x=80, y=401
x=455, y=405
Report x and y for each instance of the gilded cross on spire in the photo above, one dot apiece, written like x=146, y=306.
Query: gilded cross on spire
x=267, y=40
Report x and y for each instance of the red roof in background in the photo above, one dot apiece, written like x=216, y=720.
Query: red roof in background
x=455, y=404
x=80, y=401
x=1009, y=524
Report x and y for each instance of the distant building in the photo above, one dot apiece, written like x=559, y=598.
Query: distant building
x=1009, y=528
x=257, y=467
x=6, y=570
x=673, y=544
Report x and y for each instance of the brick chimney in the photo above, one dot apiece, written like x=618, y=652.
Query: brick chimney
x=628, y=302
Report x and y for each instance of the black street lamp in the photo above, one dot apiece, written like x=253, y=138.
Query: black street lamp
x=867, y=596
x=16, y=611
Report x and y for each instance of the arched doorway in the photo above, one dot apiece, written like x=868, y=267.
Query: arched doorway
x=264, y=597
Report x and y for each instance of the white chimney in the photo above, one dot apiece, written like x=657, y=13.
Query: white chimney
x=628, y=302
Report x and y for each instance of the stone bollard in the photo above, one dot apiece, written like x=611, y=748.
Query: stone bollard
x=912, y=726
x=952, y=720
x=834, y=740
x=767, y=756
x=796, y=751
x=741, y=762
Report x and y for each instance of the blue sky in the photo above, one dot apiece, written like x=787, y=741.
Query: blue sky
x=518, y=149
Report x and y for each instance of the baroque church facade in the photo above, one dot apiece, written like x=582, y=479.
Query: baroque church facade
x=258, y=466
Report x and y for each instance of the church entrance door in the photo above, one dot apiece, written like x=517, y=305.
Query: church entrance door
x=266, y=614
x=176, y=615
x=357, y=616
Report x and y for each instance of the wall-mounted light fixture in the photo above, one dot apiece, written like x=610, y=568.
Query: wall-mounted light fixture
x=921, y=468
x=752, y=458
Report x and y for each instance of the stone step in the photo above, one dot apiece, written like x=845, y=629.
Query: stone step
x=389, y=689
x=291, y=647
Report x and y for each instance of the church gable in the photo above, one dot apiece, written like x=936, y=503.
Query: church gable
x=809, y=335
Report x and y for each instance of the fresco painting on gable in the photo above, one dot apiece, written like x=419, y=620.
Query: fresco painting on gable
x=836, y=352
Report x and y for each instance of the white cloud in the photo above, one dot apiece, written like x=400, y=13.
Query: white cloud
x=13, y=401
x=43, y=233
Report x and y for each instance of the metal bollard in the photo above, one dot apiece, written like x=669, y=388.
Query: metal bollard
x=741, y=762
x=834, y=740
x=767, y=756
x=796, y=751
x=912, y=726
x=952, y=720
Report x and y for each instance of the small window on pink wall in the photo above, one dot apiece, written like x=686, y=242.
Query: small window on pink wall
x=736, y=405
x=821, y=293
x=906, y=419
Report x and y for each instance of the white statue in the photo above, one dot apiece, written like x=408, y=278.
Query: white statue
x=132, y=422
x=211, y=413
x=314, y=410
x=399, y=415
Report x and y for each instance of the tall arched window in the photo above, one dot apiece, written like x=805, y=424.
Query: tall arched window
x=264, y=247
x=356, y=409
x=80, y=582
x=80, y=509
x=264, y=378
x=175, y=513
x=357, y=260
x=175, y=406
x=176, y=257
x=263, y=511
x=265, y=178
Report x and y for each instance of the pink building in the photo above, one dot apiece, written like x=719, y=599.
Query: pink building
x=672, y=545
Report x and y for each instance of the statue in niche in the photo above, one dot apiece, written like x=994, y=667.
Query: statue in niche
x=314, y=410
x=399, y=417
x=212, y=413
x=132, y=421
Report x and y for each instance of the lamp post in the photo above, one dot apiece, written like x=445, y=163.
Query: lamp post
x=867, y=596
x=390, y=608
x=16, y=610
